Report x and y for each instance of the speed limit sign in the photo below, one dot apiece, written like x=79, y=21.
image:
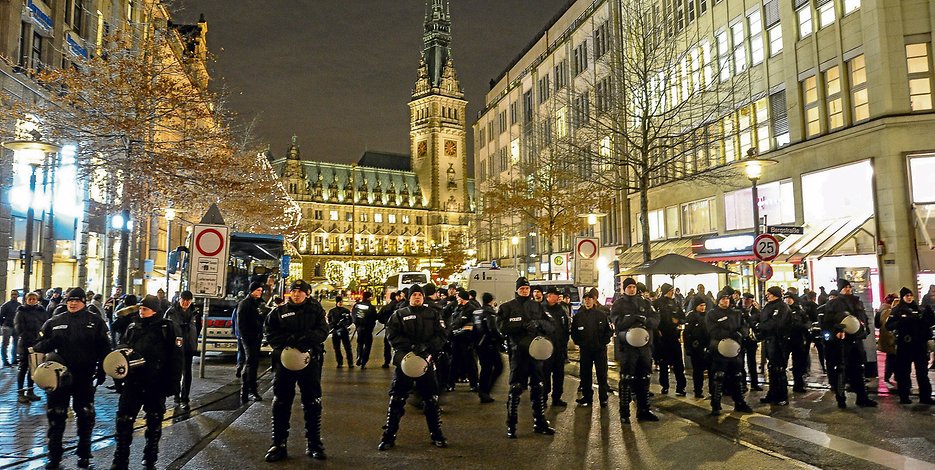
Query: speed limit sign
x=766, y=247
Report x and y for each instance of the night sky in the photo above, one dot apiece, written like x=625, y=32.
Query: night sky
x=338, y=73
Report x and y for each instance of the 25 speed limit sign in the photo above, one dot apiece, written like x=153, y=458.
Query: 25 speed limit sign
x=766, y=247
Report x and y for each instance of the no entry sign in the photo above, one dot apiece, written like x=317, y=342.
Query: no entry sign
x=586, y=252
x=208, y=273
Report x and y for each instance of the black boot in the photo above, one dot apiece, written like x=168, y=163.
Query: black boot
x=315, y=448
x=123, y=437
x=434, y=421
x=643, y=413
x=540, y=424
x=717, y=391
x=626, y=396
x=394, y=413
x=837, y=384
x=153, y=434
x=281, y=413
x=56, y=418
x=84, y=420
x=512, y=411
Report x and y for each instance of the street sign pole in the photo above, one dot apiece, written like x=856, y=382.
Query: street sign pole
x=204, y=338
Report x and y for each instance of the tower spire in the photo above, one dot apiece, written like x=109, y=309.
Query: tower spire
x=436, y=39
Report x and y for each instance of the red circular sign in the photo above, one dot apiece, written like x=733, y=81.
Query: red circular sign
x=766, y=247
x=209, y=250
x=763, y=271
x=587, y=249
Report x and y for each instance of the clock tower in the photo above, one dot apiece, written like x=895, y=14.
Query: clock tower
x=437, y=135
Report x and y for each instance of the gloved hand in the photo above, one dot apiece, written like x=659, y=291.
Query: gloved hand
x=533, y=327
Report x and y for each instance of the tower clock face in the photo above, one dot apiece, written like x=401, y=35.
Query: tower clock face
x=423, y=149
x=451, y=148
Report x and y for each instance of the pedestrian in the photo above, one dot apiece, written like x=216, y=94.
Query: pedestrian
x=844, y=350
x=632, y=311
x=522, y=320
x=775, y=327
x=127, y=312
x=79, y=339
x=461, y=326
x=250, y=325
x=365, y=319
x=188, y=318
x=55, y=299
x=339, y=323
x=489, y=347
x=929, y=299
x=419, y=330
x=537, y=294
x=553, y=375
x=822, y=296
x=299, y=324
x=667, y=345
x=110, y=309
x=913, y=329
x=887, y=341
x=695, y=337
x=28, y=322
x=591, y=331
x=799, y=327
x=725, y=323
x=159, y=342
x=7, y=315
x=164, y=303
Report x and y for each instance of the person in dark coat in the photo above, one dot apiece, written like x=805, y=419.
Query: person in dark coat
x=54, y=300
x=79, y=338
x=554, y=370
x=127, y=312
x=28, y=322
x=774, y=327
x=725, y=322
x=800, y=324
x=188, y=317
x=667, y=345
x=339, y=323
x=299, y=324
x=591, y=331
x=158, y=340
x=750, y=312
x=633, y=311
x=461, y=327
x=695, y=337
x=385, y=312
x=845, y=351
x=913, y=330
x=7, y=314
x=420, y=330
x=250, y=320
x=365, y=319
x=489, y=347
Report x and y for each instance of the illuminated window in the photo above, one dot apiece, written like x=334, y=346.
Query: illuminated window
x=762, y=125
x=812, y=114
x=745, y=128
x=833, y=98
x=804, y=15
x=851, y=6
x=920, y=76
x=825, y=13
x=755, y=23
x=723, y=51
x=333, y=215
x=730, y=134
x=391, y=218
x=378, y=218
x=860, y=101
x=779, y=119
x=405, y=219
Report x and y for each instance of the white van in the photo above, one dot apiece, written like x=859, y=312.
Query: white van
x=403, y=280
x=486, y=277
x=562, y=287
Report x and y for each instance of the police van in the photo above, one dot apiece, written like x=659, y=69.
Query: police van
x=488, y=277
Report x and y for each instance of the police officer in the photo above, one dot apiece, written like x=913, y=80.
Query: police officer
x=913, y=329
x=250, y=326
x=750, y=313
x=695, y=337
x=668, y=347
x=81, y=342
x=365, y=319
x=298, y=324
x=591, y=332
x=188, y=318
x=725, y=322
x=418, y=329
x=553, y=376
x=461, y=326
x=633, y=311
x=522, y=319
x=844, y=352
x=800, y=324
x=775, y=327
x=339, y=322
x=158, y=340
x=489, y=347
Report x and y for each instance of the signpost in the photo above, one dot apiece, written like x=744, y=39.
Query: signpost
x=207, y=276
x=765, y=247
x=763, y=271
x=586, y=251
x=785, y=230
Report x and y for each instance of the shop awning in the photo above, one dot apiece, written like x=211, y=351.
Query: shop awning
x=633, y=256
x=825, y=238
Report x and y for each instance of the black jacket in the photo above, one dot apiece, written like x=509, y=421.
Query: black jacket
x=365, y=316
x=385, y=312
x=80, y=338
x=775, y=321
x=561, y=326
x=912, y=326
x=159, y=341
x=301, y=326
x=836, y=310
x=250, y=319
x=695, y=336
x=485, y=327
x=521, y=320
x=671, y=316
x=632, y=312
x=27, y=323
x=415, y=329
x=462, y=316
x=724, y=323
x=189, y=323
x=8, y=312
x=590, y=328
x=339, y=318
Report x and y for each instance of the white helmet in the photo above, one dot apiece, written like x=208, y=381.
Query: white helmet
x=540, y=348
x=414, y=365
x=851, y=324
x=51, y=375
x=121, y=361
x=637, y=337
x=728, y=348
x=293, y=359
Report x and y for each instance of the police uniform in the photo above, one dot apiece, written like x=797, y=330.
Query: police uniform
x=800, y=323
x=635, y=362
x=727, y=372
x=774, y=327
x=303, y=327
x=751, y=316
x=365, y=318
x=845, y=357
x=553, y=377
x=189, y=322
x=668, y=348
x=522, y=319
x=250, y=327
x=489, y=345
x=419, y=330
x=695, y=337
x=339, y=322
x=913, y=330
x=81, y=341
x=158, y=340
x=461, y=327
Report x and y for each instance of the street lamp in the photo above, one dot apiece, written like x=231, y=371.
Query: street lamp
x=514, y=241
x=753, y=169
x=170, y=216
x=32, y=153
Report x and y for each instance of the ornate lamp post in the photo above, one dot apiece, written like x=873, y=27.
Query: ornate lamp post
x=753, y=169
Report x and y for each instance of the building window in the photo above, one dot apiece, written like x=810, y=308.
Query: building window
x=36, y=55
x=825, y=13
x=698, y=217
x=851, y=6
x=775, y=40
x=657, y=225
x=333, y=215
x=810, y=100
x=503, y=158
x=319, y=215
x=582, y=110
x=561, y=124
x=527, y=106
x=833, y=98
x=349, y=216
x=502, y=119
x=860, y=101
x=804, y=15
x=378, y=218
x=707, y=71
x=755, y=23
x=364, y=217
x=580, y=55
x=723, y=52
x=513, y=113
x=745, y=128
x=544, y=88
x=25, y=32
x=776, y=201
x=481, y=137
x=601, y=40
x=418, y=220
x=920, y=76
x=740, y=50
x=603, y=94
x=405, y=219
x=491, y=132
x=762, y=125
x=561, y=75
x=780, y=118
x=391, y=218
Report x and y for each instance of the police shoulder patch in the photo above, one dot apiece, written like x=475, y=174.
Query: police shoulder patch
x=60, y=327
x=409, y=317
